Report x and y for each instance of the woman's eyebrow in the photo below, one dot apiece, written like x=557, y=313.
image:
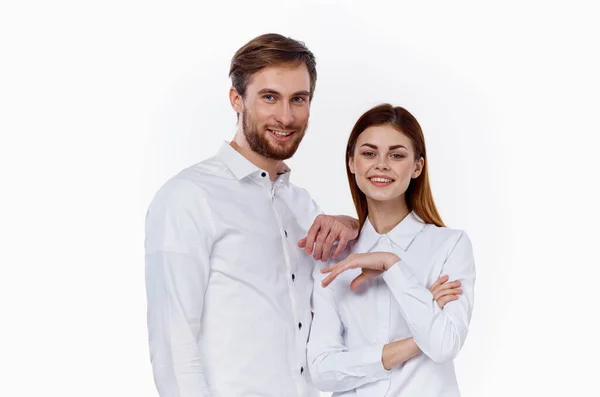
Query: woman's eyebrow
x=393, y=147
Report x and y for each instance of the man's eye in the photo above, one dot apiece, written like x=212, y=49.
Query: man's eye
x=298, y=99
x=269, y=97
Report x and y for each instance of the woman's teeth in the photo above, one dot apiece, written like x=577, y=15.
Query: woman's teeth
x=382, y=180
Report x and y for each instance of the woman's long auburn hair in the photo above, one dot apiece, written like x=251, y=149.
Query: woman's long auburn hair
x=418, y=195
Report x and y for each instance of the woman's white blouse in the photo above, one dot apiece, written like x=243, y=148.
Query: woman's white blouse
x=350, y=329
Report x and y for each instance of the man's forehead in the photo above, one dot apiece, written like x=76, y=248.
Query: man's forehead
x=285, y=79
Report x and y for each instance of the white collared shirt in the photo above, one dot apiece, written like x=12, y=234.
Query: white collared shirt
x=350, y=328
x=228, y=289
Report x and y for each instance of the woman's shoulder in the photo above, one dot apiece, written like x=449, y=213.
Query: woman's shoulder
x=444, y=234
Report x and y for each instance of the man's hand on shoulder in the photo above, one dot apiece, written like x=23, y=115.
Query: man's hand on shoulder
x=325, y=231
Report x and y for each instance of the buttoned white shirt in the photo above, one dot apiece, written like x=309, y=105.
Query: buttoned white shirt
x=228, y=289
x=350, y=329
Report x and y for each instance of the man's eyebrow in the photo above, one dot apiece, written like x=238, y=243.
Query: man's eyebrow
x=275, y=92
x=268, y=91
x=301, y=93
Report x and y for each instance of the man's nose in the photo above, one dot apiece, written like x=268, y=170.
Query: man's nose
x=284, y=114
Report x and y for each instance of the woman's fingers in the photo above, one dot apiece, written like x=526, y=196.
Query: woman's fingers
x=364, y=276
x=335, y=271
x=445, y=299
x=446, y=292
x=439, y=282
x=447, y=285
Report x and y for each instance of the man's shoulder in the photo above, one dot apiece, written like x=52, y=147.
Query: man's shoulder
x=191, y=183
x=205, y=171
x=199, y=177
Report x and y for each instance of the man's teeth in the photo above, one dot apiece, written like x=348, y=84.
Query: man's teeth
x=280, y=133
x=383, y=180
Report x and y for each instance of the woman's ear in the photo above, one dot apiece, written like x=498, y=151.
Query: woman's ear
x=351, y=164
x=419, y=164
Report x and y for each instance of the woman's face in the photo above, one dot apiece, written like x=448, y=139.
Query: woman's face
x=383, y=163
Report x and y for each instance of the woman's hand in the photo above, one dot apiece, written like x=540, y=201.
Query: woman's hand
x=372, y=265
x=444, y=291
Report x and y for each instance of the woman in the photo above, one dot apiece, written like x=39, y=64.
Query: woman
x=377, y=329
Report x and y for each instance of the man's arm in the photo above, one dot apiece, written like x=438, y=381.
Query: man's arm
x=179, y=237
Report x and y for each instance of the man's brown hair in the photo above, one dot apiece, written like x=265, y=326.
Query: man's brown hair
x=270, y=49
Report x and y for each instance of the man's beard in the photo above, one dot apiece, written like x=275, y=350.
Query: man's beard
x=260, y=144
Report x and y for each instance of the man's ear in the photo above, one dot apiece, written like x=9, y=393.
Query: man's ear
x=236, y=100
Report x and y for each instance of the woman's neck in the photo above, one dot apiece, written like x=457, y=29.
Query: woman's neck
x=386, y=215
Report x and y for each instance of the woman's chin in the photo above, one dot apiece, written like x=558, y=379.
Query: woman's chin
x=381, y=197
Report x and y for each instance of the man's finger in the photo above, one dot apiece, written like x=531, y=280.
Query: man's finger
x=343, y=242
x=320, y=241
x=327, y=247
x=302, y=242
x=311, y=236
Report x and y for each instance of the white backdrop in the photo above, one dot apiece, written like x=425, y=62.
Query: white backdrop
x=101, y=102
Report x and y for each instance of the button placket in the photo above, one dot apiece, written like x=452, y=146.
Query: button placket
x=382, y=303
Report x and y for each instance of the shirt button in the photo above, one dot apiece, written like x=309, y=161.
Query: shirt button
x=299, y=325
x=301, y=370
x=293, y=277
x=285, y=231
x=263, y=174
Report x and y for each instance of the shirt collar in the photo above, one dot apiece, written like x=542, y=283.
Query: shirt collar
x=242, y=168
x=402, y=234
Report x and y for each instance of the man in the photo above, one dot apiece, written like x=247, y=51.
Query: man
x=228, y=287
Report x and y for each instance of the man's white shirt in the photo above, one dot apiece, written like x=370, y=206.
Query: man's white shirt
x=228, y=289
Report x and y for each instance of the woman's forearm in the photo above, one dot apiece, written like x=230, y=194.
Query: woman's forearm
x=397, y=352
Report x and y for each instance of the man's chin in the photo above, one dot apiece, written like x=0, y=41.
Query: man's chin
x=283, y=150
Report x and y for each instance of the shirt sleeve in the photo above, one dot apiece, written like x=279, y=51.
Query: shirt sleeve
x=440, y=334
x=333, y=367
x=179, y=237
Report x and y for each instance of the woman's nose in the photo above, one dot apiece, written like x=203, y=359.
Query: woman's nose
x=382, y=165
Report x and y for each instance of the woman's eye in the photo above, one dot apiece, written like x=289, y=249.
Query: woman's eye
x=368, y=154
x=397, y=156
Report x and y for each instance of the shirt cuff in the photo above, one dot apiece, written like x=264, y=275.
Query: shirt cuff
x=372, y=358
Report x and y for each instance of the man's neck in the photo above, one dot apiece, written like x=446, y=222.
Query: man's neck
x=269, y=165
